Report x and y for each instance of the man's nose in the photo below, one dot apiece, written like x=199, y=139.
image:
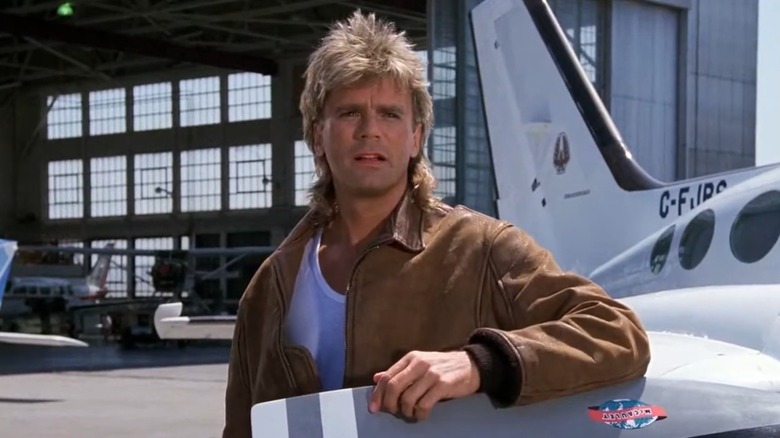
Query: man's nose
x=369, y=126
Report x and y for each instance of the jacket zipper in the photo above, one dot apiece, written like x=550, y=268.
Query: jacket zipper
x=346, y=309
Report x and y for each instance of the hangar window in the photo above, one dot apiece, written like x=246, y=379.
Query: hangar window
x=199, y=101
x=584, y=23
x=443, y=66
x=250, y=176
x=116, y=280
x=442, y=156
x=153, y=183
x=304, y=172
x=143, y=264
x=63, y=119
x=108, y=186
x=249, y=96
x=696, y=239
x=107, y=112
x=65, y=180
x=423, y=54
x=152, y=107
x=201, y=180
x=756, y=228
x=661, y=249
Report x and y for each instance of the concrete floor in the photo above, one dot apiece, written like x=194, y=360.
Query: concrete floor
x=106, y=392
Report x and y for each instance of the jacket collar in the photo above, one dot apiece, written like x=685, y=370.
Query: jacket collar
x=404, y=227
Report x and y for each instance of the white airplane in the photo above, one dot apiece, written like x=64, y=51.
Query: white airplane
x=562, y=169
x=90, y=288
x=74, y=291
x=7, y=250
x=699, y=260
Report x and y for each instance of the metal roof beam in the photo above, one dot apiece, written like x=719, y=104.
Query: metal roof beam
x=42, y=29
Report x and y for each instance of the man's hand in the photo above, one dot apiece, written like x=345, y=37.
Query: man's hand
x=421, y=379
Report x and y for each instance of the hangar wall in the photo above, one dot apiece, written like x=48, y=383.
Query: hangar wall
x=643, y=82
x=200, y=157
x=721, y=85
x=683, y=83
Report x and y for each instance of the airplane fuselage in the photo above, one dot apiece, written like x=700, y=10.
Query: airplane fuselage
x=730, y=240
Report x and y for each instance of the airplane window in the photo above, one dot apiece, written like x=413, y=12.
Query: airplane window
x=757, y=228
x=696, y=239
x=661, y=250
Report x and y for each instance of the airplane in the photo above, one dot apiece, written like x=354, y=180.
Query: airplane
x=168, y=321
x=8, y=249
x=560, y=163
x=696, y=259
x=73, y=292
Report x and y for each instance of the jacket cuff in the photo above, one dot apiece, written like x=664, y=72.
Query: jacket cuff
x=499, y=373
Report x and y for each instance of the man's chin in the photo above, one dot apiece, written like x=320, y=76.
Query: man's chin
x=372, y=190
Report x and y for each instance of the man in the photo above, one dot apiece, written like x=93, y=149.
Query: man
x=382, y=284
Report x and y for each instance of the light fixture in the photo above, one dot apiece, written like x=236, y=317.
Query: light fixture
x=65, y=10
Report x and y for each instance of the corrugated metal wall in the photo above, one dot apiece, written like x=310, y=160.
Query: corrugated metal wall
x=685, y=108
x=643, y=88
x=721, y=85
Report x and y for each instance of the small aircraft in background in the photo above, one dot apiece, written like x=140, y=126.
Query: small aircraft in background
x=172, y=272
x=8, y=249
x=71, y=291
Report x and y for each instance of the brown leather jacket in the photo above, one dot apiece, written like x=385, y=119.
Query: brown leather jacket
x=437, y=281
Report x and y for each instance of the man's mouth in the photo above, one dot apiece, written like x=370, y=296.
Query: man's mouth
x=370, y=157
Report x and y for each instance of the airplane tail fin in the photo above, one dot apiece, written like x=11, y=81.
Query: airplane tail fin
x=562, y=170
x=7, y=252
x=99, y=275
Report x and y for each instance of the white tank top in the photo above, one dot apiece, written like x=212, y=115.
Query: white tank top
x=316, y=318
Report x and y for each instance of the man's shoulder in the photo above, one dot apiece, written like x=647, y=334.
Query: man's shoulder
x=460, y=219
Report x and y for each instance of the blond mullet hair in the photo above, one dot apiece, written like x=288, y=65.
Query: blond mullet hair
x=358, y=48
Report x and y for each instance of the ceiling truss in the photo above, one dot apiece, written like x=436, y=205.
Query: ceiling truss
x=108, y=39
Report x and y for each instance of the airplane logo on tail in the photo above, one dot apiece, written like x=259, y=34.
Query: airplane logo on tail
x=561, y=155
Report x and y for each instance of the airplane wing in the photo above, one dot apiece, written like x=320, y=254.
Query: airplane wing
x=171, y=325
x=40, y=340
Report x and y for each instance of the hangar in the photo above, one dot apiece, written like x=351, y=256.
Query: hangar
x=175, y=124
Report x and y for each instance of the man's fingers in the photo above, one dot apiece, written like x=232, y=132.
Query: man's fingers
x=395, y=386
x=412, y=395
x=400, y=365
x=380, y=379
x=424, y=406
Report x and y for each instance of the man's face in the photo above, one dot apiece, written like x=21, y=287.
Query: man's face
x=368, y=135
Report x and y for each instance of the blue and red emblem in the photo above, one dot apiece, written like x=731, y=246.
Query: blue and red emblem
x=626, y=413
